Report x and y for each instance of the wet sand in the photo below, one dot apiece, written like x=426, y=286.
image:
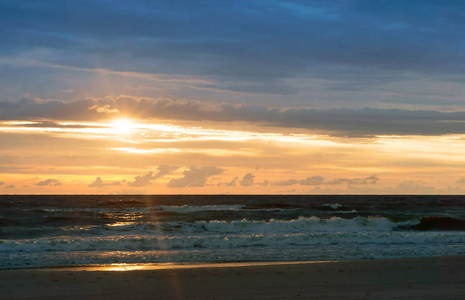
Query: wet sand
x=413, y=278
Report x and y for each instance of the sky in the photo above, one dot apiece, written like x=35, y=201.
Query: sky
x=232, y=97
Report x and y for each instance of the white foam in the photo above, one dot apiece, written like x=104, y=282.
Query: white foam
x=96, y=209
x=231, y=241
x=190, y=208
x=334, y=224
x=333, y=206
x=244, y=226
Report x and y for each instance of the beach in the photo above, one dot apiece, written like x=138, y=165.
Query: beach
x=232, y=247
x=404, y=278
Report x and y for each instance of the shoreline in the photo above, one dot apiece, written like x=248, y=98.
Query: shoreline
x=197, y=265
x=441, y=277
x=164, y=266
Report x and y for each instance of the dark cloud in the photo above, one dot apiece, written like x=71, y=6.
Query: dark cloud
x=247, y=180
x=98, y=183
x=28, y=108
x=10, y=186
x=50, y=124
x=149, y=177
x=350, y=122
x=285, y=182
x=2, y=182
x=195, y=177
x=49, y=182
x=251, y=46
x=314, y=180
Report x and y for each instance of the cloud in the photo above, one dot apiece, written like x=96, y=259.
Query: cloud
x=247, y=180
x=147, y=179
x=461, y=181
x=264, y=183
x=104, y=109
x=195, y=177
x=2, y=182
x=49, y=182
x=337, y=181
x=314, y=180
x=229, y=43
x=10, y=186
x=50, y=124
x=143, y=180
x=285, y=182
x=372, y=179
x=232, y=183
x=349, y=122
x=98, y=183
x=413, y=187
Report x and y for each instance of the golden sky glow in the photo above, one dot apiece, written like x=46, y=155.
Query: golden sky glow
x=256, y=97
x=147, y=156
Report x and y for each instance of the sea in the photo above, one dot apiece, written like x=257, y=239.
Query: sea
x=75, y=230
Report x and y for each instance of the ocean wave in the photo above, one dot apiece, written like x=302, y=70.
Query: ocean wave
x=315, y=224
x=272, y=206
x=89, y=209
x=333, y=205
x=437, y=223
x=231, y=241
x=302, y=224
x=244, y=226
x=192, y=208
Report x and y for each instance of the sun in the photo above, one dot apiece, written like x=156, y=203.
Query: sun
x=122, y=125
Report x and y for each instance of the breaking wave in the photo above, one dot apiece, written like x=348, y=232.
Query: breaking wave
x=334, y=224
x=190, y=208
x=222, y=241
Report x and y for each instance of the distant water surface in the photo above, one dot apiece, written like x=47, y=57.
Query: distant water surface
x=67, y=230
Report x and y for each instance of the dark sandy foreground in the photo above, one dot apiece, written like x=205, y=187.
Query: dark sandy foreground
x=418, y=278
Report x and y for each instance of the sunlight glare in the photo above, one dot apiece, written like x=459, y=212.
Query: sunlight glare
x=123, y=125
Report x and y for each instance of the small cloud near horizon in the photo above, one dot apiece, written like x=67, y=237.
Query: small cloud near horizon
x=195, y=177
x=285, y=182
x=143, y=180
x=314, y=180
x=247, y=180
x=49, y=182
x=98, y=183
